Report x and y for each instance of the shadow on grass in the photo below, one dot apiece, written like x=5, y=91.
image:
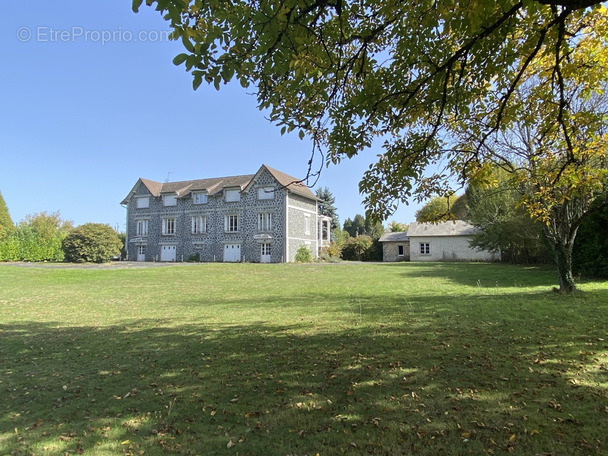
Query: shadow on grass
x=484, y=275
x=440, y=385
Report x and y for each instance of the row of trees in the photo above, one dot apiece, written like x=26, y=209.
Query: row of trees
x=47, y=237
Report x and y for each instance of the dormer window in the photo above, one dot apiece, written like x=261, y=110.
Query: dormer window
x=200, y=198
x=169, y=200
x=232, y=195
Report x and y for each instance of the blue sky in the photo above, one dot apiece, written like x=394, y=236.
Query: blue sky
x=90, y=101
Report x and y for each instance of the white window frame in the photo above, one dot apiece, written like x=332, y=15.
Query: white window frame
x=198, y=224
x=141, y=227
x=231, y=223
x=266, y=193
x=232, y=195
x=425, y=248
x=402, y=248
x=169, y=200
x=169, y=226
x=139, y=202
x=265, y=221
x=200, y=198
x=266, y=248
x=307, y=224
x=141, y=250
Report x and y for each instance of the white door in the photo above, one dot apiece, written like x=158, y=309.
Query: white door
x=265, y=253
x=141, y=253
x=168, y=253
x=232, y=252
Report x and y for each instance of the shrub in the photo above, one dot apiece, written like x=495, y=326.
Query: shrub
x=194, y=258
x=303, y=255
x=331, y=252
x=37, y=238
x=91, y=243
x=357, y=248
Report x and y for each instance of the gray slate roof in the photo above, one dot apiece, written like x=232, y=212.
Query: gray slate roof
x=451, y=228
x=400, y=236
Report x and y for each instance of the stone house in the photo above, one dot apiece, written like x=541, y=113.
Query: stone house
x=447, y=241
x=263, y=217
x=395, y=246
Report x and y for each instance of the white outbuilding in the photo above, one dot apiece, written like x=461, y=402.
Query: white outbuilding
x=446, y=241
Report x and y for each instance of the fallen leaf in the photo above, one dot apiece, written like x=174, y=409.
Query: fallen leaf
x=512, y=438
x=230, y=444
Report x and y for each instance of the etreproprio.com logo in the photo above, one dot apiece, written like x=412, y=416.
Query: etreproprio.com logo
x=43, y=34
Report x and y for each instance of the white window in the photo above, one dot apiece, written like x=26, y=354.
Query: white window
x=143, y=203
x=199, y=224
x=266, y=249
x=266, y=193
x=307, y=224
x=265, y=221
x=141, y=228
x=169, y=226
x=232, y=195
x=200, y=198
x=425, y=248
x=400, y=250
x=169, y=200
x=231, y=223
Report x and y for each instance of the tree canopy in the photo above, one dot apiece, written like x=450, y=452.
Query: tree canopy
x=348, y=73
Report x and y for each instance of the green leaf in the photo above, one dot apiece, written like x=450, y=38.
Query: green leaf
x=197, y=81
x=179, y=59
x=187, y=44
x=136, y=4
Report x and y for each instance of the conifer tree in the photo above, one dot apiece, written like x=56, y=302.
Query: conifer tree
x=6, y=223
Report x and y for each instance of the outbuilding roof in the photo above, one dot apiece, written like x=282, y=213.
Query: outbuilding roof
x=450, y=228
x=400, y=236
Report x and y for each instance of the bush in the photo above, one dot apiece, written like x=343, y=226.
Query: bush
x=194, y=258
x=332, y=251
x=37, y=238
x=303, y=255
x=357, y=248
x=91, y=243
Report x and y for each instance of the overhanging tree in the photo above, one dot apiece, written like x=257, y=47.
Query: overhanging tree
x=553, y=148
x=348, y=73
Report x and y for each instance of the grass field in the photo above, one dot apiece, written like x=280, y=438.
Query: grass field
x=240, y=359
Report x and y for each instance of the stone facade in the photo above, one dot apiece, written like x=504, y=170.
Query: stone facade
x=395, y=246
x=396, y=251
x=268, y=220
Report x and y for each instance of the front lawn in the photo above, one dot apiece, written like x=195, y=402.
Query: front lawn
x=241, y=359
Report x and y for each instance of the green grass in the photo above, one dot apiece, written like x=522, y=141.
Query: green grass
x=421, y=359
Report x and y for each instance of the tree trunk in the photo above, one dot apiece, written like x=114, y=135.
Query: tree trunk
x=563, y=261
